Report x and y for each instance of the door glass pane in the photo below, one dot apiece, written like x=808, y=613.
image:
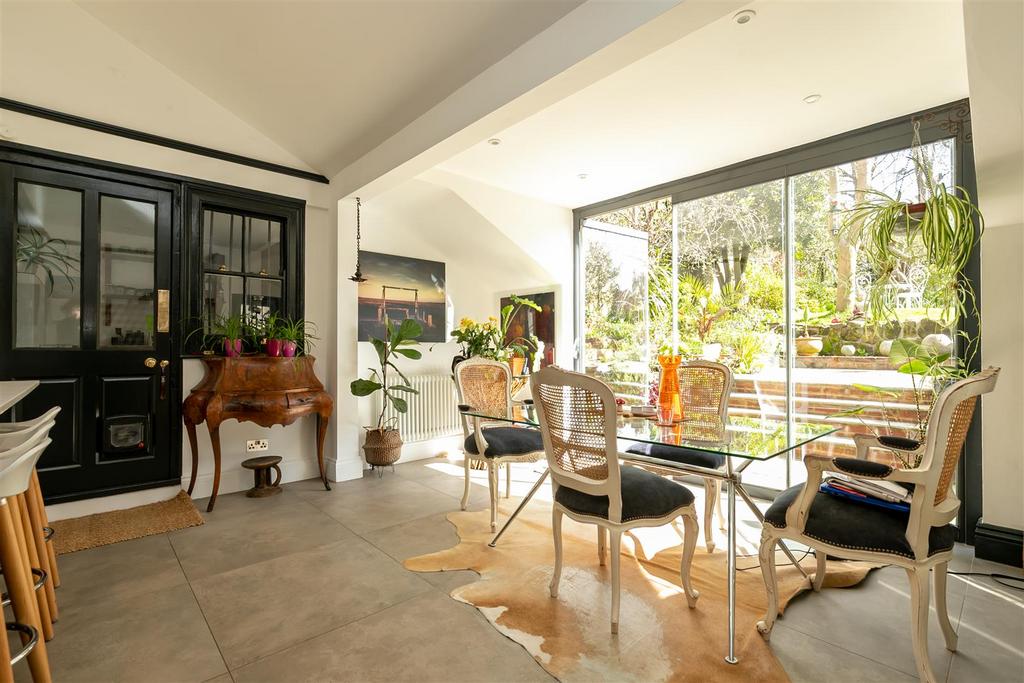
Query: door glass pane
x=48, y=255
x=222, y=296
x=262, y=297
x=731, y=301
x=127, y=266
x=833, y=281
x=222, y=241
x=263, y=247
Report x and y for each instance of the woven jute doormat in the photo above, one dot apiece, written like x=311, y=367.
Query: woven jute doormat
x=105, y=528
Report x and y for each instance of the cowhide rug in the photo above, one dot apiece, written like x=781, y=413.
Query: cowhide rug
x=660, y=637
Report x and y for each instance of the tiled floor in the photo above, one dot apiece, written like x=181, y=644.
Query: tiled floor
x=308, y=585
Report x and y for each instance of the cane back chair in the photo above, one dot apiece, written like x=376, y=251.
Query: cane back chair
x=919, y=540
x=577, y=420
x=704, y=389
x=485, y=386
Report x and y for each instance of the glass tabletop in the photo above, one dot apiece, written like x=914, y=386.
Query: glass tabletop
x=752, y=438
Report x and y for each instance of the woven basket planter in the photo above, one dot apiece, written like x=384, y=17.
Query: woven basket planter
x=383, y=447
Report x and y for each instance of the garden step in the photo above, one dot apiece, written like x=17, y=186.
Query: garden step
x=899, y=412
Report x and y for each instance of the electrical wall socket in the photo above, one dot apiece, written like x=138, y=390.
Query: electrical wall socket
x=253, y=445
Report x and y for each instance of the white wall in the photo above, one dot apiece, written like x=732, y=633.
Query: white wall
x=995, y=68
x=426, y=220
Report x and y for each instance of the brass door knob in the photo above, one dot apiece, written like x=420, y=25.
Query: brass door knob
x=164, y=364
x=150, y=362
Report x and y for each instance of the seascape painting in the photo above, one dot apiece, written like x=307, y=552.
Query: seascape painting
x=399, y=287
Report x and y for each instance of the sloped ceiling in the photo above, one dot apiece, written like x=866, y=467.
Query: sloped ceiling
x=327, y=81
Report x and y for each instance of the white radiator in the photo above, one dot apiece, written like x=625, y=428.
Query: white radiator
x=433, y=413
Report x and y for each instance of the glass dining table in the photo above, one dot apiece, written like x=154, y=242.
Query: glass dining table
x=740, y=442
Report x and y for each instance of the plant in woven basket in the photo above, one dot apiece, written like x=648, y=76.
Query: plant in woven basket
x=383, y=442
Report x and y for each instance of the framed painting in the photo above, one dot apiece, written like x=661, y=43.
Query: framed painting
x=400, y=287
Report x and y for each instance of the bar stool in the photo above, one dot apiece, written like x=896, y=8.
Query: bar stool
x=32, y=516
x=16, y=468
x=12, y=434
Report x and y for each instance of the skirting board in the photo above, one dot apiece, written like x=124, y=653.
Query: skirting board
x=999, y=544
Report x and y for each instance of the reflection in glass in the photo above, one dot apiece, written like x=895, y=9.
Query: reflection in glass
x=262, y=298
x=222, y=297
x=222, y=241
x=127, y=242
x=48, y=258
x=263, y=246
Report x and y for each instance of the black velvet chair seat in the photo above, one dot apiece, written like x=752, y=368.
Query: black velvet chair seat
x=687, y=456
x=645, y=495
x=849, y=524
x=507, y=441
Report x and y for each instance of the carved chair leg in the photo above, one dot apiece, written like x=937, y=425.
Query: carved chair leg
x=819, y=573
x=689, y=545
x=709, y=511
x=616, y=542
x=919, y=622
x=508, y=480
x=718, y=505
x=940, y=606
x=602, y=544
x=766, y=555
x=465, y=488
x=556, y=530
x=492, y=486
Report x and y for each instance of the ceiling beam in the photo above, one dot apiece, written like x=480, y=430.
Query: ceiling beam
x=594, y=40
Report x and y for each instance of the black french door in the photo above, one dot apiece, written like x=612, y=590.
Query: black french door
x=88, y=309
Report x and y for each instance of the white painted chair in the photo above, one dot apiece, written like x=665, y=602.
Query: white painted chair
x=485, y=386
x=704, y=390
x=577, y=418
x=918, y=541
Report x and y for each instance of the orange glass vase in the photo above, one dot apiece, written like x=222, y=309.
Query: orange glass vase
x=668, y=388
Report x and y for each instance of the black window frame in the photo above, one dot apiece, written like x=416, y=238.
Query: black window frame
x=289, y=212
x=948, y=121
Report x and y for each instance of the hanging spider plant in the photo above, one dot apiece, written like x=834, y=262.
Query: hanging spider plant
x=38, y=254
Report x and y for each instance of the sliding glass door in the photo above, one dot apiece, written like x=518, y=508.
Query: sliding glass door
x=770, y=278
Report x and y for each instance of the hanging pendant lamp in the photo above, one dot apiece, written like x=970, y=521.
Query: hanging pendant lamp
x=358, y=275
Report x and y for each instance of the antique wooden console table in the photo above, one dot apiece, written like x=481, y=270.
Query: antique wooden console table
x=261, y=389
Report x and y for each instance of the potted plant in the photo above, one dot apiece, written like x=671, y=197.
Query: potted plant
x=230, y=330
x=490, y=339
x=270, y=327
x=706, y=309
x=808, y=344
x=383, y=445
x=296, y=336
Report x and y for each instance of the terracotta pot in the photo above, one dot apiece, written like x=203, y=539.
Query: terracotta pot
x=288, y=348
x=808, y=346
x=232, y=347
x=274, y=347
x=382, y=447
x=517, y=363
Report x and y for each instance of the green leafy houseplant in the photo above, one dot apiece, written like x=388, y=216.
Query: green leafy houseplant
x=298, y=335
x=37, y=254
x=488, y=339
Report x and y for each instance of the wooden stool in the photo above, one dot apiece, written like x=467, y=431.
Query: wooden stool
x=261, y=474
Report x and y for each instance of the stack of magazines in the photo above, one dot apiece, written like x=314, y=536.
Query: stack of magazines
x=883, y=494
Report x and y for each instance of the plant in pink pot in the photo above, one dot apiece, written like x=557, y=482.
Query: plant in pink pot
x=230, y=330
x=296, y=336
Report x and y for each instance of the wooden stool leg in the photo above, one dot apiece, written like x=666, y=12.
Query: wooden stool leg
x=19, y=585
x=6, y=670
x=36, y=529
x=28, y=549
x=36, y=491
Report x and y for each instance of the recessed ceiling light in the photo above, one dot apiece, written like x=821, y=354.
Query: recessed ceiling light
x=811, y=99
x=582, y=176
x=494, y=142
x=744, y=16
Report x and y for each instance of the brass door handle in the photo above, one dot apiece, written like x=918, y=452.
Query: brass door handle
x=150, y=362
x=164, y=364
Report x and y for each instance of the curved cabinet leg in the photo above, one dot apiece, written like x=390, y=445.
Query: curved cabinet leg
x=919, y=622
x=215, y=442
x=766, y=555
x=190, y=429
x=321, y=436
x=940, y=606
x=690, y=530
